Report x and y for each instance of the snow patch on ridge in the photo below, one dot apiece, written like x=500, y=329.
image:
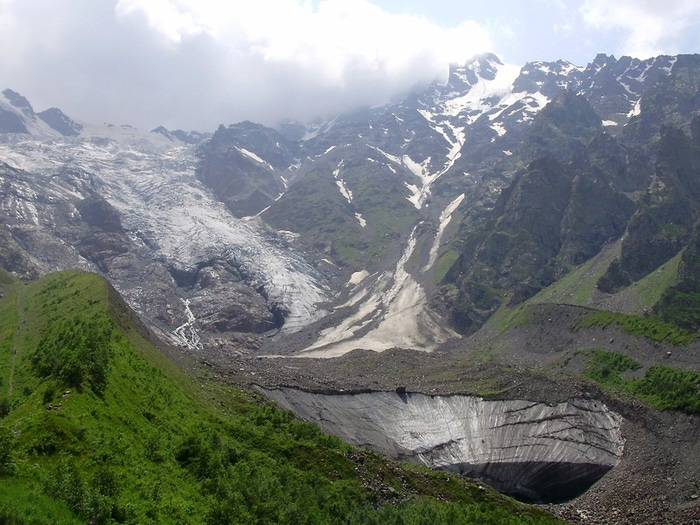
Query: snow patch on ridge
x=358, y=277
x=420, y=170
x=256, y=158
x=344, y=191
x=453, y=135
x=636, y=110
x=445, y=219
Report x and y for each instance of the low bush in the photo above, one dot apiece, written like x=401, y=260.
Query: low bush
x=662, y=386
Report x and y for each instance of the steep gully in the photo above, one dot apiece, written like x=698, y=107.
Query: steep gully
x=391, y=309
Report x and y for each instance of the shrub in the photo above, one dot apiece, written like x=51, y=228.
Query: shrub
x=669, y=388
x=4, y=407
x=662, y=386
x=7, y=464
x=76, y=352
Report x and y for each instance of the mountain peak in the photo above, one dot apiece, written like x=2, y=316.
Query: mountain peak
x=19, y=102
x=61, y=122
x=187, y=137
x=487, y=58
x=484, y=66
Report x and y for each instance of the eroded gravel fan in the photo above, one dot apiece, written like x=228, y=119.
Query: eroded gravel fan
x=533, y=451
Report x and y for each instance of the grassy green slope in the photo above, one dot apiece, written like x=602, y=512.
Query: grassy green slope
x=661, y=386
x=96, y=425
x=629, y=310
x=579, y=286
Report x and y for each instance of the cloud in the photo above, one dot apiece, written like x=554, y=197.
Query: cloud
x=651, y=27
x=198, y=63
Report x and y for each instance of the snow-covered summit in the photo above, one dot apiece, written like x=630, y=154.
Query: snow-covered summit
x=485, y=67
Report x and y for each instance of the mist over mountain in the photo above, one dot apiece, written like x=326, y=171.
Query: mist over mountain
x=489, y=185
x=478, y=222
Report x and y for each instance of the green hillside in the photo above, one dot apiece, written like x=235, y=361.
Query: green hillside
x=97, y=426
x=634, y=311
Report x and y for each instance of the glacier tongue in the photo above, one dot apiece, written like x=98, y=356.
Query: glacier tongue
x=531, y=450
x=186, y=223
x=151, y=181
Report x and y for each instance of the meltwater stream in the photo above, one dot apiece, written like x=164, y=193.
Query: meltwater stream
x=533, y=451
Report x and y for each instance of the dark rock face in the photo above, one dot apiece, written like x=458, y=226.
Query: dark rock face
x=613, y=86
x=102, y=247
x=224, y=304
x=627, y=169
x=597, y=213
x=671, y=99
x=527, y=233
x=59, y=121
x=553, y=214
x=98, y=213
x=14, y=259
x=241, y=179
x=565, y=126
x=666, y=215
x=11, y=122
x=19, y=102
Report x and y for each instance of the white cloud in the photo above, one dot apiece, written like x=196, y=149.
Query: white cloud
x=198, y=63
x=329, y=40
x=651, y=27
x=163, y=16
x=289, y=58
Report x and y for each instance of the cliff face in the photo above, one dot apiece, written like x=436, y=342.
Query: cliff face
x=531, y=450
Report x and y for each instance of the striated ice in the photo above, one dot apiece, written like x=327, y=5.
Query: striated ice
x=151, y=181
x=529, y=449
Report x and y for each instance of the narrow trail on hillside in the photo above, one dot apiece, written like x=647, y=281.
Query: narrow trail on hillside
x=15, y=340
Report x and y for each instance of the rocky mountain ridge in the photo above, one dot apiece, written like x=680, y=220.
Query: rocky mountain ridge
x=401, y=240
x=420, y=206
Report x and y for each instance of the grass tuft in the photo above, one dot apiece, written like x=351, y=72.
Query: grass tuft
x=649, y=327
x=664, y=387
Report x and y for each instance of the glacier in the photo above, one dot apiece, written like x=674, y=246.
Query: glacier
x=534, y=451
x=151, y=180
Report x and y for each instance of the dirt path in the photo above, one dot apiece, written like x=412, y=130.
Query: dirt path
x=15, y=339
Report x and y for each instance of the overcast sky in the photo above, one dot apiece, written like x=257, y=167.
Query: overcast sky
x=195, y=64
